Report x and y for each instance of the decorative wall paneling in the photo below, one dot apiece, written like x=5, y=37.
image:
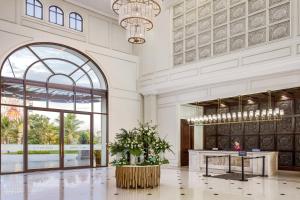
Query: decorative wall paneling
x=282, y=136
x=205, y=28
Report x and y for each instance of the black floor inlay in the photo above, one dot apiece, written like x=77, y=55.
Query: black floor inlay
x=149, y=194
x=116, y=194
x=249, y=194
x=216, y=194
x=233, y=176
x=282, y=194
x=182, y=194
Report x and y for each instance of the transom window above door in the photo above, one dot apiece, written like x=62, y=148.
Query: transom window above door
x=53, y=77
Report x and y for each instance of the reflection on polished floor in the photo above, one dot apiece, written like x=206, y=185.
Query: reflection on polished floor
x=99, y=184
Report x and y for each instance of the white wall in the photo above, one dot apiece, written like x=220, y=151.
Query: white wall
x=271, y=66
x=103, y=40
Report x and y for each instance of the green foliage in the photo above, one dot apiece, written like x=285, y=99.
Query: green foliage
x=141, y=141
x=11, y=131
x=42, y=131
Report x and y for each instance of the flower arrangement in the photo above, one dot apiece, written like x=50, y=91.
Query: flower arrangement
x=142, y=143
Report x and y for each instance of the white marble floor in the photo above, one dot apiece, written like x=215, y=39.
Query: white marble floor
x=176, y=184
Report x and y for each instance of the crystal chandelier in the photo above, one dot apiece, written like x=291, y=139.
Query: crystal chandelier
x=269, y=114
x=136, y=16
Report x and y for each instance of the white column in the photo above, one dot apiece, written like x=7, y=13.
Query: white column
x=150, y=109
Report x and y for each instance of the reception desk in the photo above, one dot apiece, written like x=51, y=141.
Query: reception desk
x=197, y=161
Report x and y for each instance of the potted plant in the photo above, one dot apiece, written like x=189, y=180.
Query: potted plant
x=140, y=147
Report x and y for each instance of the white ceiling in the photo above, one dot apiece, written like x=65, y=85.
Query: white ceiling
x=104, y=6
x=101, y=6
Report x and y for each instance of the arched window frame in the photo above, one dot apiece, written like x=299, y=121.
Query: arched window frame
x=76, y=18
x=56, y=11
x=36, y=5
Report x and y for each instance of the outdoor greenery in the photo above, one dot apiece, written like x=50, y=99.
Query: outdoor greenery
x=143, y=143
x=42, y=131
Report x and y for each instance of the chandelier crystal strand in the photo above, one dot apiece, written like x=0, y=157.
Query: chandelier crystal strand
x=137, y=17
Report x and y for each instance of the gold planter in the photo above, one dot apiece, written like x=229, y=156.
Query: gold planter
x=132, y=176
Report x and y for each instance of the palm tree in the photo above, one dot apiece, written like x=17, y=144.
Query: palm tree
x=71, y=126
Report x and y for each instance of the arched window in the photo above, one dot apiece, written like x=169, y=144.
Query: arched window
x=76, y=21
x=59, y=96
x=34, y=8
x=56, y=15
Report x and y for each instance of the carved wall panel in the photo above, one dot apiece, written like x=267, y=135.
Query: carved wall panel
x=210, y=130
x=190, y=56
x=287, y=106
x=220, y=33
x=220, y=18
x=279, y=30
x=251, y=142
x=285, y=158
x=178, y=47
x=257, y=20
x=190, y=4
x=267, y=128
x=236, y=129
x=178, y=34
x=205, y=51
x=190, y=17
x=178, y=9
x=279, y=13
x=178, y=22
x=285, y=142
x=297, y=142
x=257, y=37
x=297, y=106
x=204, y=10
x=238, y=11
x=238, y=27
x=190, y=30
x=204, y=38
x=297, y=124
x=190, y=43
x=204, y=24
x=224, y=142
x=237, y=42
x=285, y=125
x=297, y=159
x=273, y=2
x=256, y=5
x=223, y=129
x=220, y=47
x=211, y=142
x=219, y=5
x=251, y=128
x=267, y=142
x=233, y=2
x=178, y=59
x=265, y=22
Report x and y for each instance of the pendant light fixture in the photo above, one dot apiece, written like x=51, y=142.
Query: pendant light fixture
x=241, y=116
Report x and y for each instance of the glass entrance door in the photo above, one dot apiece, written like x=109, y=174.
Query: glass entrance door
x=77, y=141
x=43, y=140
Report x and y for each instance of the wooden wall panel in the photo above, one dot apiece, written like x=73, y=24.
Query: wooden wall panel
x=282, y=136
